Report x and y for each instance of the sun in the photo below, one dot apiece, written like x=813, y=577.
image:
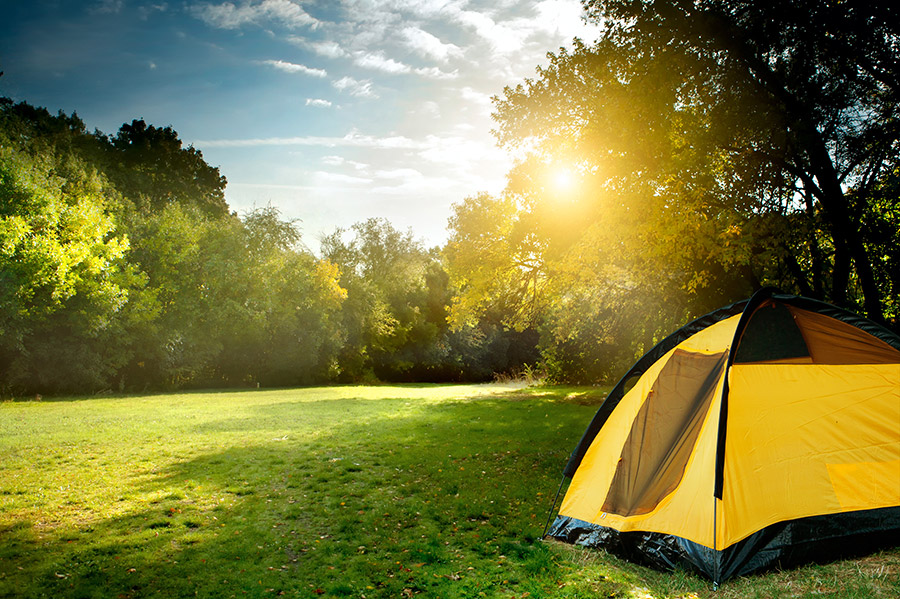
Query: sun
x=562, y=179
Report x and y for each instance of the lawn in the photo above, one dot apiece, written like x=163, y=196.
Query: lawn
x=388, y=491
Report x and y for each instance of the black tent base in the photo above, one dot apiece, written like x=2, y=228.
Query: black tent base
x=816, y=539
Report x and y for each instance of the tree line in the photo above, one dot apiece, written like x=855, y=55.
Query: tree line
x=121, y=268
x=695, y=151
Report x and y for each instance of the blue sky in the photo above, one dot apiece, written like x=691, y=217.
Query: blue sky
x=334, y=111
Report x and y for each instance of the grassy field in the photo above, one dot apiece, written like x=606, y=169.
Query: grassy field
x=437, y=491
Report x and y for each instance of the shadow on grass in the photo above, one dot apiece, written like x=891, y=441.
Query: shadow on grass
x=344, y=497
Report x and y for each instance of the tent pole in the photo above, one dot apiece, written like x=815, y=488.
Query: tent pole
x=553, y=507
x=715, y=548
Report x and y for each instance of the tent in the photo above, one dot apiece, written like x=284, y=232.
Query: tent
x=764, y=433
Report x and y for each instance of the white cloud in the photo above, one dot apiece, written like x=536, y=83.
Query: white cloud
x=430, y=46
x=328, y=49
x=351, y=139
x=329, y=177
x=436, y=73
x=431, y=109
x=379, y=62
x=476, y=97
x=563, y=17
x=230, y=16
x=290, y=67
x=460, y=152
x=406, y=174
x=355, y=87
x=500, y=36
x=318, y=102
x=333, y=160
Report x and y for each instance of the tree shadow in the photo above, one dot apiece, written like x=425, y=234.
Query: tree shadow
x=320, y=497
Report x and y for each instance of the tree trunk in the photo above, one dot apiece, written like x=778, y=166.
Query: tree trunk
x=845, y=232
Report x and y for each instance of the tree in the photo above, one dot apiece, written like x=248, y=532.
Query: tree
x=240, y=302
x=283, y=324
x=731, y=138
x=161, y=287
x=387, y=332
x=149, y=165
x=64, y=283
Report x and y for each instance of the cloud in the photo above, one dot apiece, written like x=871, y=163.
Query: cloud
x=332, y=160
x=378, y=62
x=436, y=73
x=355, y=87
x=318, y=102
x=106, y=7
x=406, y=174
x=500, y=36
x=328, y=49
x=144, y=12
x=460, y=152
x=426, y=44
x=563, y=17
x=430, y=46
x=329, y=177
x=230, y=16
x=430, y=109
x=474, y=96
x=351, y=139
x=290, y=67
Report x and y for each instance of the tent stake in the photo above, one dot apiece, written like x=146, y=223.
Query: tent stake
x=553, y=507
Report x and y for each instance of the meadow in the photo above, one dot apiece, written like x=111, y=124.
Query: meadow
x=380, y=491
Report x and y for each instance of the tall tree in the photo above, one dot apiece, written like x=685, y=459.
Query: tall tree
x=151, y=166
x=386, y=318
x=64, y=283
x=752, y=136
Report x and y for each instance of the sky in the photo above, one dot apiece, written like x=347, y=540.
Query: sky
x=333, y=111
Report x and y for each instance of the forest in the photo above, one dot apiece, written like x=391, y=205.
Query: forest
x=694, y=152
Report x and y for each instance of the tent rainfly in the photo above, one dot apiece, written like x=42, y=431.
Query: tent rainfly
x=766, y=433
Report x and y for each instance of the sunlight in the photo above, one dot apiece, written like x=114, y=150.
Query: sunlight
x=563, y=180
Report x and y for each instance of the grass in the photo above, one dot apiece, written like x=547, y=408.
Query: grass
x=436, y=491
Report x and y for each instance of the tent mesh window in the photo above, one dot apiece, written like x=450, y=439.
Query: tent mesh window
x=772, y=335
x=664, y=432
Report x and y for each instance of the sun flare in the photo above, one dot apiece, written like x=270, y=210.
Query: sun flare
x=563, y=180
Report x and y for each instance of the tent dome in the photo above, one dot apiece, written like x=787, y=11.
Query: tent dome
x=766, y=432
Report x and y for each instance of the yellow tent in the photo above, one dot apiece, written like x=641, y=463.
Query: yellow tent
x=767, y=432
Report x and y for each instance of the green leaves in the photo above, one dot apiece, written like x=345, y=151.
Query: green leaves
x=54, y=243
x=720, y=147
x=160, y=287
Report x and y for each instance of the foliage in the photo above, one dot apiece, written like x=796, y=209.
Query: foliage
x=63, y=278
x=240, y=304
x=715, y=147
x=156, y=285
x=149, y=165
x=395, y=320
x=122, y=268
x=388, y=491
x=722, y=125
